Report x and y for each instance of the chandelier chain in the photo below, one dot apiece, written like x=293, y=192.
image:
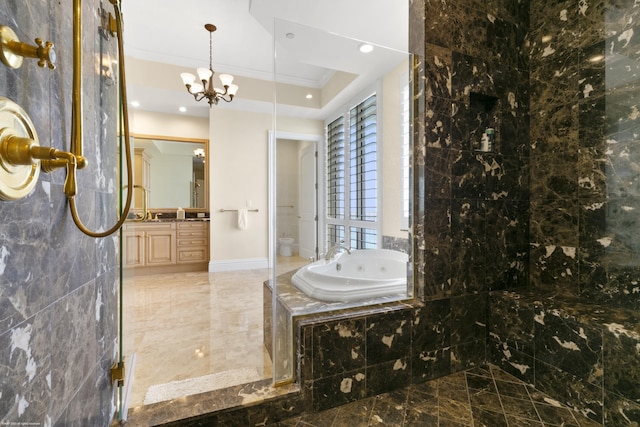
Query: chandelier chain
x=211, y=50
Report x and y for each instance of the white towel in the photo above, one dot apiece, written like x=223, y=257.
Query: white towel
x=243, y=217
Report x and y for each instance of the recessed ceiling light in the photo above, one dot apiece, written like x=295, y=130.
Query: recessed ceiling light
x=309, y=96
x=365, y=48
x=182, y=109
x=135, y=104
x=290, y=35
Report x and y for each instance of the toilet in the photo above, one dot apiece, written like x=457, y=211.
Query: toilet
x=285, y=245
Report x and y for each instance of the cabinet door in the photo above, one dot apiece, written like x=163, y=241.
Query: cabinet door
x=133, y=247
x=161, y=247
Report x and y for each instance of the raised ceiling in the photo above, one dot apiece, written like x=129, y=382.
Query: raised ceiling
x=164, y=38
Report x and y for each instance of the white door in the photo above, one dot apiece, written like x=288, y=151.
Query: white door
x=307, y=217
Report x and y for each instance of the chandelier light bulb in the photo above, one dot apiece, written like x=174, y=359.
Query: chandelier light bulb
x=225, y=79
x=188, y=78
x=204, y=73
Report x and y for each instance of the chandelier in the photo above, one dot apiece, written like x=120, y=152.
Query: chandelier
x=206, y=89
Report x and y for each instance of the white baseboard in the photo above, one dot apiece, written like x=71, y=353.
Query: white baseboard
x=238, y=264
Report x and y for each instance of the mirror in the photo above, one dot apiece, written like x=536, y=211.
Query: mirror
x=173, y=171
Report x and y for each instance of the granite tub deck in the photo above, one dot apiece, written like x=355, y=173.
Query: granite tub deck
x=584, y=355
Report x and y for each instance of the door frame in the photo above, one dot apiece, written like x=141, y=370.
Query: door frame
x=309, y=154
x=318, y=141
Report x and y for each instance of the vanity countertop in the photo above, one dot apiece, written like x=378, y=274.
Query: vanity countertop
x=146, y=221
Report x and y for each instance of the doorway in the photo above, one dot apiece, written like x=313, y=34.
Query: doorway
x=297, y=196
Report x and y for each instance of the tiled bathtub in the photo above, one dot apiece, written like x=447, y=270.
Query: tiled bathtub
x=352, y=352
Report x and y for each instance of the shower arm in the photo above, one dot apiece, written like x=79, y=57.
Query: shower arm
x=22, y=157
x=76, y=116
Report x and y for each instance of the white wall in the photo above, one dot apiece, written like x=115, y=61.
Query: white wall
x=239, y=179
x=238, y=147
x=147, y=123
x=391, y=151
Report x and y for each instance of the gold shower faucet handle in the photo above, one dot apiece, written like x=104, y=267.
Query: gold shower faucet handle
x=13, y=51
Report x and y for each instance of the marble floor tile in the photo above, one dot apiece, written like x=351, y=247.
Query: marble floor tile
x=481, y=397
x=193, y=324
x=188, y=325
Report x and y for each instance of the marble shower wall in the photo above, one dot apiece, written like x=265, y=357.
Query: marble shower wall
x=58, y=287
x=471, y=207
x=584, y=175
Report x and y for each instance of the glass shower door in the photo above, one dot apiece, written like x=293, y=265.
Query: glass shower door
x=342, y=73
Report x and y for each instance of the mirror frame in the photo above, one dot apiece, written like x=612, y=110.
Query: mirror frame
x=135, y=136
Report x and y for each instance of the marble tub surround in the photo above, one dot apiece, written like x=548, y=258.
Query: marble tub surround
x=582, y=354
x=298, y=303
x=294, y=305
x=358, y=353
x=348, y=351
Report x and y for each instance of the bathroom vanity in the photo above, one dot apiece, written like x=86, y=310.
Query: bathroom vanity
x=165, y=246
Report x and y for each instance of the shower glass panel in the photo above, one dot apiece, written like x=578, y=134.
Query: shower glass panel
x=372, y=92
x=125, y=321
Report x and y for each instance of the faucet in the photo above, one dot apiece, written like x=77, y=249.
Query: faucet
x=333, y=249
x=145, y=214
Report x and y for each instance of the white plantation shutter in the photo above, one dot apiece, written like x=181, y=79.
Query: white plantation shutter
x=353, y=169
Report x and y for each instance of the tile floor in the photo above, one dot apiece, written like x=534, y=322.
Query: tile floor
x=193, y=324
x=186, y=325
x=485, y=396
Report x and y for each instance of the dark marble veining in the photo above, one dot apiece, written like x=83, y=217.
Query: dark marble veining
x=550, y=208
x=58, y=297
x=582, y=354
x=483, y=396
x=584, y=182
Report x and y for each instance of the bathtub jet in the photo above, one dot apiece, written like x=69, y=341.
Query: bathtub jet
x=362, y=274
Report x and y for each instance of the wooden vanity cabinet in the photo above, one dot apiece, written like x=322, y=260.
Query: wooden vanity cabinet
x=193, y=242
x=133, y=246
x=163, y=247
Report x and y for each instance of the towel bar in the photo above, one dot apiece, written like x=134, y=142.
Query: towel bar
x=236, y=210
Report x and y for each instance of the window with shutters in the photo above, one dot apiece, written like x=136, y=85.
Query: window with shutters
x=352, y=177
